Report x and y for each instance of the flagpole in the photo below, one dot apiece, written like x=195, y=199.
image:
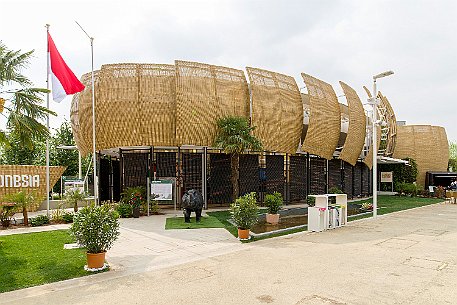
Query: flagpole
x=94, y=152
x=47, y=120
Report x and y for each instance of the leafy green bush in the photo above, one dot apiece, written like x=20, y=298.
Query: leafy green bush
x=311, y=201
x=68, y=217
x=335, y=190
x=409, y=189
x=6, y=213
x=96, y=228
x=245, y=211
x=273, y=202
x=39, y=220
x=125, y=210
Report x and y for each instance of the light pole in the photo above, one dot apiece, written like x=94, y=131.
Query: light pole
x=374, y=102
x=72, y=147
x=94, y=152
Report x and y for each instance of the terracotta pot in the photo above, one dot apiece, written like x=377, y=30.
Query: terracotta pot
x=95, y=260
x=136, y=212
x=272, y=218
x=243, y=234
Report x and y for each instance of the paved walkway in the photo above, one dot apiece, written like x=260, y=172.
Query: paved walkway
x=403, y=258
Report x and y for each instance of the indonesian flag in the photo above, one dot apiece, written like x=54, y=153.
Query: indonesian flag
x=64, y=81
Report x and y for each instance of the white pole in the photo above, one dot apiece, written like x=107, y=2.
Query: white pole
x=47, y=121
x=375, y=160
x=80, y=169
x=94, y=152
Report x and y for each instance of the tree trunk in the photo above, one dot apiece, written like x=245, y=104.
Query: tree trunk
x=235, y=165
x=75, y=207
x=26, y=216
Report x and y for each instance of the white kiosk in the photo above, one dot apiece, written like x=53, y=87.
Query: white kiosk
x=325, y=215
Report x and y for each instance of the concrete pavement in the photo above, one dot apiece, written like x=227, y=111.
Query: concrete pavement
x=408, y=257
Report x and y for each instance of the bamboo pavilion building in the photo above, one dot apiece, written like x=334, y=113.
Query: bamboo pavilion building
x=159, y=121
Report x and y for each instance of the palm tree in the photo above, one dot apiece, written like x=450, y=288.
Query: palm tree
x=234, y=137
x=24, y=201
x=19, y=101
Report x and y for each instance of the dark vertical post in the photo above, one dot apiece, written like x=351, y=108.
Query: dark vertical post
x=353, y=181
x=343, y=183
x=308, y=175
x=121, y=170
x=326, y=176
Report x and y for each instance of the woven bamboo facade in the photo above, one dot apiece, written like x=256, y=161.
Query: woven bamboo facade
x=325, y=118
x=205, y=93
x=81, y=115
x=27, y=173
x=357, y=126
x=277, y=110
x=426, y=144
x=135, y=105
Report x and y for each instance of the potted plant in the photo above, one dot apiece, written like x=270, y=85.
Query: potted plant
x=245, y=214
x=96, y=228
x=73, y=196
x=134, y=196
x=273, y=202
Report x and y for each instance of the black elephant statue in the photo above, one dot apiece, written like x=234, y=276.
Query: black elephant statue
x=192, y=201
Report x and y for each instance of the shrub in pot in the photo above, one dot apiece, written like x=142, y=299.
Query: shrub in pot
x=273, y=202
x=134, y=196
x=96, y=228
x=245, y=214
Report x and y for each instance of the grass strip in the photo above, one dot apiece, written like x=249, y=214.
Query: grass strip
x=205, y=222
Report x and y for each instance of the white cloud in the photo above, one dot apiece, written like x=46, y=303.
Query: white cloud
x=332, y=40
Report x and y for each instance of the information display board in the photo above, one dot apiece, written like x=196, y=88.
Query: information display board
x=162, y=190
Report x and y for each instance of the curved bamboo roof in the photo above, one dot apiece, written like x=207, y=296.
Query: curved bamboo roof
x=205, y=93
x=277, y=110
x=325, y=118
x=355, y=138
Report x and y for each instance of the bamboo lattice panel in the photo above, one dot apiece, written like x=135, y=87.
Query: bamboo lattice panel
x=81, y=114
x=348, y=181
x=297, y=178
x=325, y=118
x=38, y=189
x=205, y=93
x=355, y=138
x=157, y=102
x=426, y=144
x=277, y=110
x=118, y=118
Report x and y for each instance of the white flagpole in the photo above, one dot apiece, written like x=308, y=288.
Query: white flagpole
x=47, y=120
x=94, y=152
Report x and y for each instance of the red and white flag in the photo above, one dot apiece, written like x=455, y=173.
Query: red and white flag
x=64, y=81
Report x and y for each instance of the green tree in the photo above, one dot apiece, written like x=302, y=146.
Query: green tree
x=234, y=137
x=17, y=154
x=21, y=102
x=24, y=201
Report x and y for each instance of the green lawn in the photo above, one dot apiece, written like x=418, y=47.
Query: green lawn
x=205, y=222
x=387, y=204
x=38, y=258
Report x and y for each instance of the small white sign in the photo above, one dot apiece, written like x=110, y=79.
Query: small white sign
x=387, y=176
x=162, y=190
